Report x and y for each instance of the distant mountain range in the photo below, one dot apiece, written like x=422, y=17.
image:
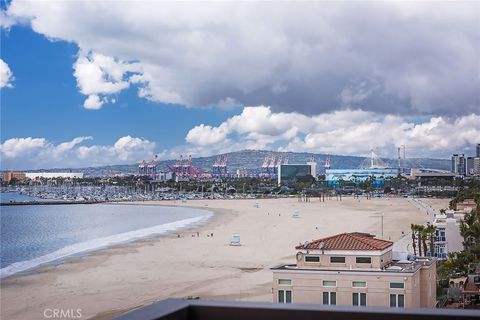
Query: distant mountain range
x=252, y=160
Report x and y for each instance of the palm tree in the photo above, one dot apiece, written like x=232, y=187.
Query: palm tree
x=431, y=234
x=413, y=227
x=423, y=237
x=419, y=229
x=470, y=231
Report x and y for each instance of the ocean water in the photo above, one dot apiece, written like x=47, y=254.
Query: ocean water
x=32, y=235
x=6, y=197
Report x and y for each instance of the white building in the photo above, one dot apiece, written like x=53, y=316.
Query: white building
x=447, y=236
x=164, y=176
x=52, y=175
x=458, y=164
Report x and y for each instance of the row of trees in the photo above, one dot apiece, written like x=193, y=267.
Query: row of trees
x=423, y=238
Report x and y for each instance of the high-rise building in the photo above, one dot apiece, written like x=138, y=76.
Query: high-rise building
x=478, y=150
x=469, y=166
x=476, y=166
x=458, y=164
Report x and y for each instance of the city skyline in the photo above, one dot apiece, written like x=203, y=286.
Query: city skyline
x=80, y=89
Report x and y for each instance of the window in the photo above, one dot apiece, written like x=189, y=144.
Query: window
x=359, y=299
x=364, y=260
x=359, y=284
x=330, y=298
x=284, y=296
x=312, y=259
x=329, y=283
x=397, y=300
x=440, y=251
x=397, y=285
x=284, y=282
x=440, y=235
x=337, y=259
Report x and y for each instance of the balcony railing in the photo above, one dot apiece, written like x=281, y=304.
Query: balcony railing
x=441, y=255
x=175, y=309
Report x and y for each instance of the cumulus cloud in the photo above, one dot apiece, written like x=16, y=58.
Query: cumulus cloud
x=6, y=76
x=310, y=57
x=99, y=76
x=35, y=153
x=353, y=132
x=346, y=132
x=204, y=135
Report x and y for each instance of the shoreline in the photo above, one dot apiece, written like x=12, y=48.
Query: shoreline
x=202, y=220
x=110, y=281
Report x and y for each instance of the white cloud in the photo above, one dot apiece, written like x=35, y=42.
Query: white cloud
x=93, y=102
x=203, y=135
x=353, y=132
x=348, y=132
x=98, y=74
x=6, y=76
x=6, y=20
x=311, y=57
x=35, y=153
x=17, y=147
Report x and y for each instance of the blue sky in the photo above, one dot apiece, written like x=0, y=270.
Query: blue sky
x=45, y=101
x=166, y=79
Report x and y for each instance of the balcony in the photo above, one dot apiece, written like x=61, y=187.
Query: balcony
x=176, y=309
x=441, y=255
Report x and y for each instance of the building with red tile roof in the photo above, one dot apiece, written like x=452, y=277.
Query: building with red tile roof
x=347, y=241
x=355, y=269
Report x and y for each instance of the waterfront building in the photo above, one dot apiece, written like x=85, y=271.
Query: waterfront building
x=53, y=175
x=355, y=269
x=425, y=175
x=164, y=176
x=9, y=175
x=334, y=176
x=290, y=173
x=447, y=234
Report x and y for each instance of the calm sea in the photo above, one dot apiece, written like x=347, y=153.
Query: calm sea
x=32, y=235
x=6, y=197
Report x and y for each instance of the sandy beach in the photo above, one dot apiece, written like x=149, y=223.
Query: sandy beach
x=110, y=281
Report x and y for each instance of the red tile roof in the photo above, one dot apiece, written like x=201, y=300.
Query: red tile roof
x=348, y=241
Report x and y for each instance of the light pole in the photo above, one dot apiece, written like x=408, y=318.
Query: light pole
x=381, y=216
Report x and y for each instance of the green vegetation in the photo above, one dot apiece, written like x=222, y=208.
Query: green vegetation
x=468, y=191
x=423, y=239
x=464, y=262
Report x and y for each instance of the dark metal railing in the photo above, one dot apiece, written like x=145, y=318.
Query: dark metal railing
x=176, y=309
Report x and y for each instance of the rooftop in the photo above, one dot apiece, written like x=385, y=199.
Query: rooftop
x=347, y=241
x=401, y=266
